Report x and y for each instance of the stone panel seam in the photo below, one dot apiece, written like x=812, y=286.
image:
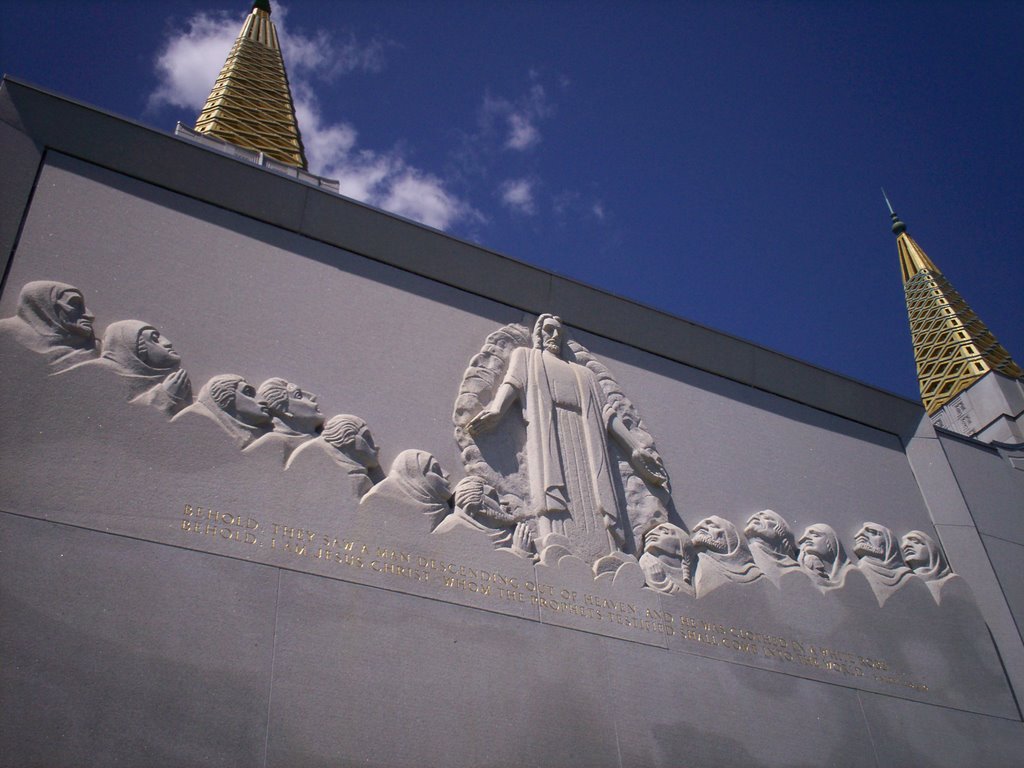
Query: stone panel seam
x=991, y=565
x=9, y=255
x=926, y=496
x=867, y=726
x=1001, y=538
x=273, y=659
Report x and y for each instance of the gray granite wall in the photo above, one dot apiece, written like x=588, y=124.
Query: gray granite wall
x=993, y=489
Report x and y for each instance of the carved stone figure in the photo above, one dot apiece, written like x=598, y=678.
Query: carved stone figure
x=569, y=419
x=147, y=363
x=823, y=557
x=668, y=560
x=415, y=480
x=231, y=402
x=925, y=558
x=347, y=441
x=646, y=506
x=478, y=508
x=772, y=544
x=52, y=320
x=722, y=556
x=296, y=418
x=880, y=560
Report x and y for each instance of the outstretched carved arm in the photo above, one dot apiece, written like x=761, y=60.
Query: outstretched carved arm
x=645, y=461
x=489, y=417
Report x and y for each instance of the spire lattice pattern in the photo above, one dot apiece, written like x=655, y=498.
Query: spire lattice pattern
x=251, y=102
x=952, y=346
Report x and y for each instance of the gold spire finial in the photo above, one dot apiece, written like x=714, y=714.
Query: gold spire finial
x=952, y=346
x=251, y=102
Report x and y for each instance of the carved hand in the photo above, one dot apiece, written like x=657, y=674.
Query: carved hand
x=484, y=421
x=178, y=385
x=649, y=465
x=522, y=540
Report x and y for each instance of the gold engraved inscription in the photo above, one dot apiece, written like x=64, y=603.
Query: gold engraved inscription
x=788, y=650
x=237, y=531
x=200, y=521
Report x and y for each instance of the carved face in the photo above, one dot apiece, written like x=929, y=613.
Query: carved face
x=437, y=479
x=304, y=410
x=248, y=409
x=762, y=526
x=869, y=541
x=711, y=536
x=156, y=350
x=662, y=538
x=551, y=335
x=363, y=449
x=73, y=314
x=915, y=551
x=816, y=542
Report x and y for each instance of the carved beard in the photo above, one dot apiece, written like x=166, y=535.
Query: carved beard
x=553, y=346
x=866, y=550
x=704, y=539
x=687, y=566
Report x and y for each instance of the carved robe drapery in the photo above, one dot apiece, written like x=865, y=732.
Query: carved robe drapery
x=566, y=416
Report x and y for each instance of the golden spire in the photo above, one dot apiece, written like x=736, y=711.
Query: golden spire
x=251, y=104
x=952, y=347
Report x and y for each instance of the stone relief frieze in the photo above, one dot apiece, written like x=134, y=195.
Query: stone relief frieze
x=231, y=402
x=559, y=465
x=823, y=557
x=723, y=556
x=478, y=508
x=296, y=418
x=417, y=482
x=668, y=560
x=925, y=558
x=52, y=320
x=347, y=443
x=880, y=559
x=146, y=363
x=772, y=544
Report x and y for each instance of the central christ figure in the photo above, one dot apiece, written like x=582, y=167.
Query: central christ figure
x=568, y=422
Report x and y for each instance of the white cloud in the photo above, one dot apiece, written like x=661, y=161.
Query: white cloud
x=188, y=66
x=522, y=133
x=598, y=209
x=518, y=120
x=423, y=197
x=517, y=194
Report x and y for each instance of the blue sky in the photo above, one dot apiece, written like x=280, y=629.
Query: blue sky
x=720, y=160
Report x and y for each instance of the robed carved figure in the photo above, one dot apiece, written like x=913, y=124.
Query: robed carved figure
x=52, y=320
x=880, y=560
x=571, y=414
x=925, y=558
x=147, y=364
